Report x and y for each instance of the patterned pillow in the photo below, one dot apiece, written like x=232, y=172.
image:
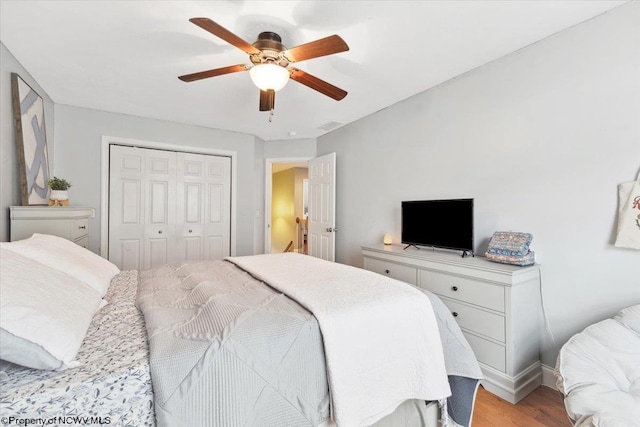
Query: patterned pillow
x=510, y=243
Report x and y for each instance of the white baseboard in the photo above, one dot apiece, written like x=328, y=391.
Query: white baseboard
x=548, y=378
x=511, y=389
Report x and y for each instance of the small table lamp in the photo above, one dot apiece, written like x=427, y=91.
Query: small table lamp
x=387, y=239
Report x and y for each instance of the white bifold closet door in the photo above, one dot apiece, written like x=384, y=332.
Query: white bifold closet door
x=167, y=206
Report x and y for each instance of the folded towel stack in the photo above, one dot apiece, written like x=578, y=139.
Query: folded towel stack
x=511, y=248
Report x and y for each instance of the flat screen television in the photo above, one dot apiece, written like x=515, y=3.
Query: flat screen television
x=439, y=223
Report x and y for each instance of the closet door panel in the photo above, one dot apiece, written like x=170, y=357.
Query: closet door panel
x=126, y=206
x=167, y=207
x=131, y=254
x=192, y=248
x=189, y=205
x=193, y=203
x=160, y=214
x=216, y=204
x=217, y=225
x=216, y=248
x=157, y=252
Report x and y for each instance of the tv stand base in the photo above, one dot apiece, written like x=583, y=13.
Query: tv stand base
x=408, y=246
x=467, y=253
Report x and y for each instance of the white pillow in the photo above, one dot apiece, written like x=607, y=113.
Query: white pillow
x=64, y=255
x=44, y=313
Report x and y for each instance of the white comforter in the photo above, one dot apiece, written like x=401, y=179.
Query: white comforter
x=380, y=335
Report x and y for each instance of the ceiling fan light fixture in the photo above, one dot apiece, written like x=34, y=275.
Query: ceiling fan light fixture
x=269, y=76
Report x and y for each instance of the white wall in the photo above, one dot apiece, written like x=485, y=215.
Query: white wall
x=539, y=138
x=10, y=193
x=304, y=147
x=78, y=135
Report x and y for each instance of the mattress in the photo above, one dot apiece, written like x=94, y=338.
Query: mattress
x=112, y=383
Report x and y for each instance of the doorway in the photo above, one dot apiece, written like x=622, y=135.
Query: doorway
x=286, y=205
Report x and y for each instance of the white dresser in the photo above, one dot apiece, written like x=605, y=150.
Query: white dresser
x=497, y=307
x=69, y=222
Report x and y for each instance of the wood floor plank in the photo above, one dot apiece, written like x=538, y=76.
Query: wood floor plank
x=542, y=408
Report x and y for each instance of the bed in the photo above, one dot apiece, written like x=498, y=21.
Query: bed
x=256, y=358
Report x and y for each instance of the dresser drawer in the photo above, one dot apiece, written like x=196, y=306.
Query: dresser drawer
x=401, y=272
x=82, y=241
x=79, y=228
x=463, y=289
x=487, y=352
x=476, y=320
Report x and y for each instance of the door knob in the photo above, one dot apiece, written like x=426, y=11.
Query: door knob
x=455, y=314
x=331, y=229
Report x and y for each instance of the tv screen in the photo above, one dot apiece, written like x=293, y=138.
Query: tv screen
x=438, y=223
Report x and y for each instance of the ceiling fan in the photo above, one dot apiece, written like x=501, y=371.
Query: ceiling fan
x=271, y=61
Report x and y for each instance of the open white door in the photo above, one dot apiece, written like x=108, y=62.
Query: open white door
x=322, y=207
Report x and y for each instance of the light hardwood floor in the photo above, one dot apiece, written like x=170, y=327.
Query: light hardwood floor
x=542, y=408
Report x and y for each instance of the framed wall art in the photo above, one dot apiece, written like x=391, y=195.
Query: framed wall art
x=31, y=142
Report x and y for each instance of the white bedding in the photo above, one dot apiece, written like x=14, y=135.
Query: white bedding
x=381, y=338
x=65, y=256
x=598, y=371
x=44, y=313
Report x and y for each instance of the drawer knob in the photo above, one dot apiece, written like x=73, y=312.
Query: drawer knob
x=387, y=271
x=82, y=227
x=455, y=314
x=159, y=231
x=190, y=231
x=454, y=288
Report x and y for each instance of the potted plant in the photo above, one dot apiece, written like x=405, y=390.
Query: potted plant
x=59, y=195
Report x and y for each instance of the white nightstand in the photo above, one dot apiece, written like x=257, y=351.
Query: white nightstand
x=69, y=222
x=497, y=306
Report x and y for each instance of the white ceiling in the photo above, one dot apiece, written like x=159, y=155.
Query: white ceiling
x=125, y=56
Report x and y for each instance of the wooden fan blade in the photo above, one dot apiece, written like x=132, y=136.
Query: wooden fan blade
x=316, y=84
x=326, y=46
x=226, y=35
x=267, y=99
x=212, y=73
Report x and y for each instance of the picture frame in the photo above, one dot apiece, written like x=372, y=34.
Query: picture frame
x=31, y=142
